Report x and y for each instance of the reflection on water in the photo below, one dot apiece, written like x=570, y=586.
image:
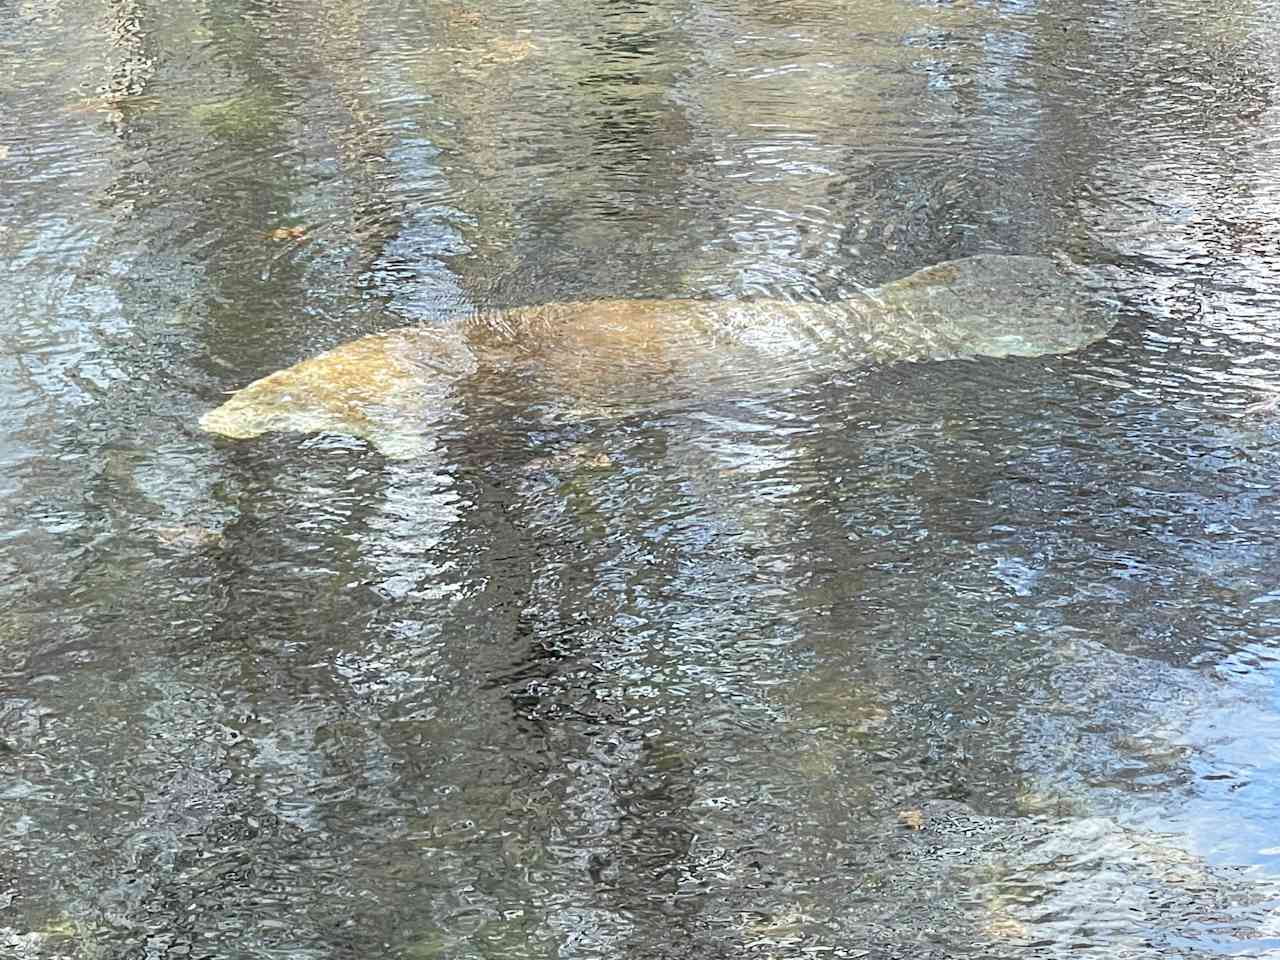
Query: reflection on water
x=931, y=660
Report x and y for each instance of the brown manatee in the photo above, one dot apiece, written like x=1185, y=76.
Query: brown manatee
x=604, y=356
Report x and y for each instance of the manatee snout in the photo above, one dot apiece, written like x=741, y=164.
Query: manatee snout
x=235, y=419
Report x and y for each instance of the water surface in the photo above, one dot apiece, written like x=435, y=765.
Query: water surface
x=916, y=660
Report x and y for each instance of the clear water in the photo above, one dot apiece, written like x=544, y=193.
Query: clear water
x=972, y=659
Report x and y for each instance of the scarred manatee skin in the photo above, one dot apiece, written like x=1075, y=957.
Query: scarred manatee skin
x=605, y=356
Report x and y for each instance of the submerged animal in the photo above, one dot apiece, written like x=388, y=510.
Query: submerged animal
x=392, y=388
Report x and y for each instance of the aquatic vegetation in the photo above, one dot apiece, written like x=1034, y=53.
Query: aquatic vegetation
x=612, y=356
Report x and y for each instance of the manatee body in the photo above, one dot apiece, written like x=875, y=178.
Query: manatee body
x=603, y=356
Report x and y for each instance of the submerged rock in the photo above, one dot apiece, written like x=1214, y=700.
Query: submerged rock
x=608, y=356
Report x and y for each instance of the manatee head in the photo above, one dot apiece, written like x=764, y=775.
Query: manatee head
x=388, y=389
x=272, y=404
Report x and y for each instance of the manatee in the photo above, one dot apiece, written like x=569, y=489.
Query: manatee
x=610, y=356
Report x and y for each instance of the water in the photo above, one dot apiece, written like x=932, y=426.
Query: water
x=917, y=660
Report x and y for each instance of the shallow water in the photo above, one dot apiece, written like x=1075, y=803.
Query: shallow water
x=920, y=660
